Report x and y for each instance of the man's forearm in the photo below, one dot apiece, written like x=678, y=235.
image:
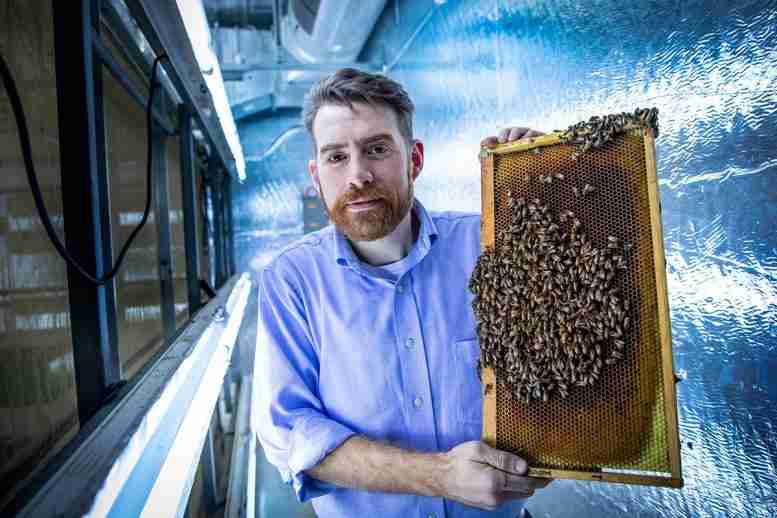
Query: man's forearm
x=360, y=463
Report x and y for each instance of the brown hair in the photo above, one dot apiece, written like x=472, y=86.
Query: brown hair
x=348, y=86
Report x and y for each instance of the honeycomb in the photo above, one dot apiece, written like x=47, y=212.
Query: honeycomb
x=621, y=423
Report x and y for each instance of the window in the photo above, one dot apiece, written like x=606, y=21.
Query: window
x=38, y=408
x=138, y=292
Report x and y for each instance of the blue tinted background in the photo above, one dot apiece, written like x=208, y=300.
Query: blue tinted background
x=709, y=66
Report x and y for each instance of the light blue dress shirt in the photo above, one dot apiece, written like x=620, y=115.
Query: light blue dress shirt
x=389, y=353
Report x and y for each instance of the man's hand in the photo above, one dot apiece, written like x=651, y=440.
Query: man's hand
x=471, y=473
x=510, y=135
x=480, y=476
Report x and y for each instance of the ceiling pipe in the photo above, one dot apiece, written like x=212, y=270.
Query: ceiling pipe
x=257, y=16
x=335, y=32
x=276, y=30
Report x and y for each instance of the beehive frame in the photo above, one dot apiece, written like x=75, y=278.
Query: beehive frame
x=638, y=404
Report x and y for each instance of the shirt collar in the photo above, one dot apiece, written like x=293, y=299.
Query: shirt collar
x=427, y=234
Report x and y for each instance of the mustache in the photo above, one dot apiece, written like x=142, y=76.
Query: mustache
x=372, y=191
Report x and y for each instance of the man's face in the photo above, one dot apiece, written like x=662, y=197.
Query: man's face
x=363, y=169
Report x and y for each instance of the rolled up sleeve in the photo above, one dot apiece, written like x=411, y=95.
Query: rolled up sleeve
x=289, y=418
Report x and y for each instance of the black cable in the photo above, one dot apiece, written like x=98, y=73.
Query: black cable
x=204, y=286
x=24, y=141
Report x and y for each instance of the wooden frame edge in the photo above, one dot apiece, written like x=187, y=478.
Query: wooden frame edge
x=548, y=139
x=522, y=145
x=618, y=478
x=487, y=239
x=665, y=331
x=487, y=233
x=489, y=406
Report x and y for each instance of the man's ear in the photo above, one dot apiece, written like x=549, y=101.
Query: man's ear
x=417, y=158
x=313, y=170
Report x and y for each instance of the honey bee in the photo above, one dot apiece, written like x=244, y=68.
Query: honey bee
x=547, y=317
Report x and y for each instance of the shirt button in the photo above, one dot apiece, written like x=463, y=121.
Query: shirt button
x=418, y=402
x=399, y=288
x=431, y=515
x=409, y=343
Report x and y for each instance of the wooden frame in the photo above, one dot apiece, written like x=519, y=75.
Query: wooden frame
x=489, y=380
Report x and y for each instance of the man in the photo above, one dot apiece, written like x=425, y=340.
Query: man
x=368, y=396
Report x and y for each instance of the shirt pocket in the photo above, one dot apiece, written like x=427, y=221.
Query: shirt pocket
x=470, y=392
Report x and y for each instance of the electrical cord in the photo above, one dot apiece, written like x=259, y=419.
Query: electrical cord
x=204, y=286
x=24, y=140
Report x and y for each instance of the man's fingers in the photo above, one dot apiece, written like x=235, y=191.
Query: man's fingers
x=524, y=486
x=517, y=133
x=489, y=142
x=517, y=484
x=504, y=461
x=510, y=135
x=539, y=483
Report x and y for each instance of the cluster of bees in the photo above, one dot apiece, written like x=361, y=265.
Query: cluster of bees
x=550, y=316
x=597, y=131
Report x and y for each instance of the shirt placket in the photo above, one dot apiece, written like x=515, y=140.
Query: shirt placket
x=419, y=410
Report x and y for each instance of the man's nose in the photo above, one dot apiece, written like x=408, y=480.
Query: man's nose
x=359, y=173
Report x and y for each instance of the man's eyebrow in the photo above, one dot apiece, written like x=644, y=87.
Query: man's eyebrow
x=330, y=147
x=373, y=138
x=362, y=142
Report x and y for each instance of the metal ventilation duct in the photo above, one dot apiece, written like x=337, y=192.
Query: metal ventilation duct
x=245, y=13
x=327, y=31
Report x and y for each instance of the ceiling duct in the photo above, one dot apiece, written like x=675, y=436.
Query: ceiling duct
x=329, y=31
x=253, y=14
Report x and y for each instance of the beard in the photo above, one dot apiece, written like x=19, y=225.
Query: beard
x=374, y=223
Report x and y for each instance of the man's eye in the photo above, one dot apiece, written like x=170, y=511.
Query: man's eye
x=337, y=157
x=379, y=149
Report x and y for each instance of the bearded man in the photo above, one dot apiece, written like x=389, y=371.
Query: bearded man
x=365, y=370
